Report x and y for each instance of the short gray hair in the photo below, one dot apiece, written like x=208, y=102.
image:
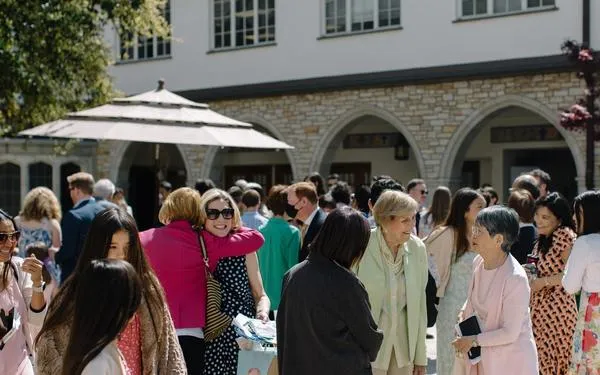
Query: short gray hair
x=500, y=220
x=104, y=188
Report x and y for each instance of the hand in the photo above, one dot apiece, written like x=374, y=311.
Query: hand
x=263, y=315
x=419, y=370
x=463, y=344
x=33, y=266
x=537, y=284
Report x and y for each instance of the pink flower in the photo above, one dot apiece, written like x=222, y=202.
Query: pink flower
x=589, y=340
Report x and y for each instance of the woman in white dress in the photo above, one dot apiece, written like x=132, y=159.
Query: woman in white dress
x=450, y=248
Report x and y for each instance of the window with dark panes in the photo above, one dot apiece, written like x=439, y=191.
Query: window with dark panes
x=347, y=16
x=137, y=47
x=239, y=23
x=10, y=188
x=475, y=8
x=40, y=174
x=66, y=170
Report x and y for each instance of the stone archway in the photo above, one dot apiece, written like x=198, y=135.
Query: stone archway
x=450, y=166
x=211, y=168
x=138, y=175
x=322, y=157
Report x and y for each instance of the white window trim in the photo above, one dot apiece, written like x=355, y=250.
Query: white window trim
x=211, y=27
x=348, y=30
x=490, y=10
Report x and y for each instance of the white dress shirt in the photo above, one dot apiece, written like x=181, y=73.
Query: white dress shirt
x=583, y=267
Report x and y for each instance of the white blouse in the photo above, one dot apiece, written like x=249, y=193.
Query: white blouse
x=583, y=267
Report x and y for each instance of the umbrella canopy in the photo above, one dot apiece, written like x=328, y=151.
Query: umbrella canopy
x=157, y=116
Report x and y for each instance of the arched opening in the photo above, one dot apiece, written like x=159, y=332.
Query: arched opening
x=367, y=146
x=40, y=174
x=10, y=188
x=139, y=174
x=267, y=167
x=509, y=141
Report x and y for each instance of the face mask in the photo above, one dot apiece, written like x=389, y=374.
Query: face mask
x=291, y=211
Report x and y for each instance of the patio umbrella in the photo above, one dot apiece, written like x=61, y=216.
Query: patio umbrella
x=157, y=116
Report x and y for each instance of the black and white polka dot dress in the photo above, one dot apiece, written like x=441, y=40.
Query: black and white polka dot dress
x=221, y=355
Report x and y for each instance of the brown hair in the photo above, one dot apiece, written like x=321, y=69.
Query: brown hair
x=305, y=190
x=440, y=206
x=40, y=203
x=456, y=218
x=522, y=201
x=182, y=204
x=277, y=199
x=82, y=181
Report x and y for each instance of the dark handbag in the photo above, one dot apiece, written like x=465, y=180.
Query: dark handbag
x=216, y=320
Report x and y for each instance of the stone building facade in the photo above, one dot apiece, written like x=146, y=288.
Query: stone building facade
x=437, y=119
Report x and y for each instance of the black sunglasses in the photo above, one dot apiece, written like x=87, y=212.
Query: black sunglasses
x=12, y=236
x=213, y=214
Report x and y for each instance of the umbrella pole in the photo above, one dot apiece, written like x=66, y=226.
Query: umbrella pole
x=157, y=181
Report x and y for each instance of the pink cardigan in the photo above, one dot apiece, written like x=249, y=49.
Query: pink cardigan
x=175, y=256
x=507, y=343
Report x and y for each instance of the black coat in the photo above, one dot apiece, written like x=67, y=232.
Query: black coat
x=311, y=233
x=324, y=322
x=524, y=245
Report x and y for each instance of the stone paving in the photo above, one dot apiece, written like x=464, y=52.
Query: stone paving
x=431, y=352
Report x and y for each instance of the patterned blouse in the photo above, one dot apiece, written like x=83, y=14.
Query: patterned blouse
x=130, y=346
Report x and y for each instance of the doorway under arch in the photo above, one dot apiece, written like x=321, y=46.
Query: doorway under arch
x=139, y=174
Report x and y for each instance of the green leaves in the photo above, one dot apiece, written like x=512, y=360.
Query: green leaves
x=53, y=57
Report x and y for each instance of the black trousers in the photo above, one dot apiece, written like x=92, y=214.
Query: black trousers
x=193, y=353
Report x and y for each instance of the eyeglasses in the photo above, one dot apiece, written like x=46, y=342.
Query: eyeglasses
x=213, y=214
x=476, y=231
x=424, y=192
x=9, y=236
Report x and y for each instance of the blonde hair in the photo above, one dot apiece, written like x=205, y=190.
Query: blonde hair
x=181, y=204
x=40, y=203
x=393, y=203
x=218, y=194
x=82, y=181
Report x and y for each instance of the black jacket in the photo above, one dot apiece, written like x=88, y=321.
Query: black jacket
x=524, y=245
x=311, y=233
x=324, y=323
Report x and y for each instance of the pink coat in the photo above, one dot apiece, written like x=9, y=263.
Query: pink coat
x=175, y=255
x=507, y=343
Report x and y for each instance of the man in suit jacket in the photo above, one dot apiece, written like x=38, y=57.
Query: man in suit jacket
x=303, y=205
x=76, y=223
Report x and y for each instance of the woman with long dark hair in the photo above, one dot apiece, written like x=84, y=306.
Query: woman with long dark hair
x=436, y=214
x=324, y=323
x=22, y=304
x=553, y=310
x=106, y=298
x=450, y=247
x=149, y=343
x=582, y=273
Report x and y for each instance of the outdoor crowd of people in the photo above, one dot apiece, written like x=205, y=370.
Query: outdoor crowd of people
x=353, y=276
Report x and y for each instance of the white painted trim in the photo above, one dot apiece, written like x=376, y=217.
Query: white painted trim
x=474, y=120
x=360, y=110
x=211, y=152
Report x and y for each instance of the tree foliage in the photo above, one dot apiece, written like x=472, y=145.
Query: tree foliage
x=54, y=57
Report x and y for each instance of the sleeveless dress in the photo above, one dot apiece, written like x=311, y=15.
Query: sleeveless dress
x=553, y=310
x=32, y=235
x=221, y=355
x=449, y=307
x=14, y=356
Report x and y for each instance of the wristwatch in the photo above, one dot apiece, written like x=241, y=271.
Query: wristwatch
x=38, y=289
x=474, y=343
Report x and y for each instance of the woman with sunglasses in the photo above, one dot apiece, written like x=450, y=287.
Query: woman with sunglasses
x=148, y=343
x=22, y=303
x=175, y=255
x=241, y=284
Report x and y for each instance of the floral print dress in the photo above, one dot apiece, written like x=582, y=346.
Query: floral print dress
x=586, y=348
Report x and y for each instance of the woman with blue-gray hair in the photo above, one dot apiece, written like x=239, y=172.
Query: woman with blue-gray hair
x=499, y=297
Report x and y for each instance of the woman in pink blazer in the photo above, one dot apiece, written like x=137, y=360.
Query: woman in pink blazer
x=499, y=297
x=175, y=255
